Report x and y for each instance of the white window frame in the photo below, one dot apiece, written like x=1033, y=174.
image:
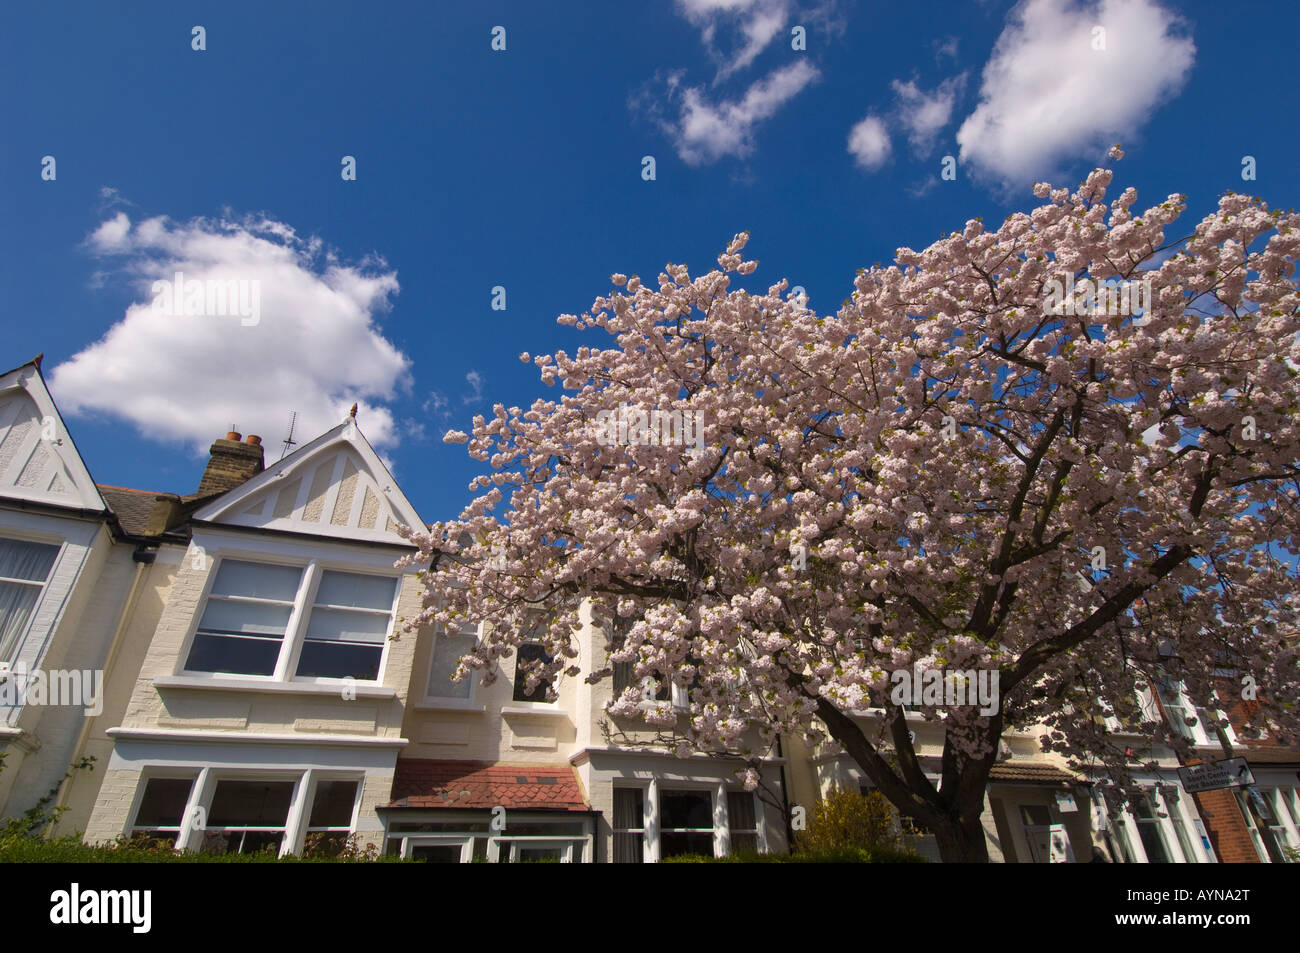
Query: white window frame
x=187, y=811
x=511, y=845
x=646, y=821
x=448, y=701
x=717, y=812
x=312, y=570
x=465, y=842
x=204, y=788
x=43, y=587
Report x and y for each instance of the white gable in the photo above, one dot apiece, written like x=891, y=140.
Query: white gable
x=335, y=486
x=38, y=461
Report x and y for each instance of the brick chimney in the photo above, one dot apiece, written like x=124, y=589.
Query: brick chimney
x=230, y=463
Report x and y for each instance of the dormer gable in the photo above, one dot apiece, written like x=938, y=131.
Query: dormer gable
x=335, y=486
x=38, y=461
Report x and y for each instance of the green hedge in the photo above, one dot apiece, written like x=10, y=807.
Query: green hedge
x=832, y=855
x=70, y=850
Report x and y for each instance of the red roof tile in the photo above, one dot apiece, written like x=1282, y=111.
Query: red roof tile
x=428, y=783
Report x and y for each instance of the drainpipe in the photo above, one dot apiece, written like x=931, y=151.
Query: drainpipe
x=144, y=557
x=785, y=800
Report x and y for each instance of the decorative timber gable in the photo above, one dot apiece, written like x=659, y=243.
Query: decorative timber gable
x=38, y=461
x=335, y=486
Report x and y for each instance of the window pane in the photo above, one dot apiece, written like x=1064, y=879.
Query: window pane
x=241, y=842
x=340, y=660
x=163, y=804
x=437, y=853
x=340, y=625
x=628, y=849
x=447, y=651
x=740, y=811
x=686, y=809
x=629, y=813
x=257, y=580
x=333, y=803
x=675, y=845
x=744, y=843
x=352, y=589
x=250, y=804
x=529, y=652
x=224, y=616
x=536, y=854
x=20, y=559
x=214, y=653
x=16, y=602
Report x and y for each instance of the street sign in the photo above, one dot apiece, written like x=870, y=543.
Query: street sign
x=1240, y=771
x=1231, y=772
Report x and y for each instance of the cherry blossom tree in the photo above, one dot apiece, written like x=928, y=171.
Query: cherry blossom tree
x=990, y=458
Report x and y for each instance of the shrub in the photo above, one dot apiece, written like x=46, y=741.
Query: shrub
x=847, y=819
x=829, y=855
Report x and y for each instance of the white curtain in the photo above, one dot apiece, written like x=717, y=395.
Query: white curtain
x=31, y=563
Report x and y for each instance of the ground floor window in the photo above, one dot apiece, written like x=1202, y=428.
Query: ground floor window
x=685, y=823
x=742, y=819
x=629, y=826
x=241, y=813
x=473, y=838
x=161, y=814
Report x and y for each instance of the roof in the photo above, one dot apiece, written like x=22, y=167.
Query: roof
x=1268, y=755
x=132, y=508
x=429, y=783
x=1031, y=772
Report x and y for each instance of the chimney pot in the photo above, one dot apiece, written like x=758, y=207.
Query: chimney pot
x=231, y=462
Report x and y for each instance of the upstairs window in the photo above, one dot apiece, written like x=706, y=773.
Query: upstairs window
x=252, y=624
x=448, y=648
x=245, y=620
x=530, y=652
x=24, y=570
x=348, y=626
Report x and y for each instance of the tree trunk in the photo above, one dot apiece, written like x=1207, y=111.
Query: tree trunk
x=962, y=841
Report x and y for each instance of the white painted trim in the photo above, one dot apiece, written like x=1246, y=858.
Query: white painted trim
x=227, y=508
x=548, y=711
x=85, y=494
x=185, y=734
x=231, y=683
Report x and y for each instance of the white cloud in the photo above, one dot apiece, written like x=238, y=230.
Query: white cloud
x=315, y=347
x=869, y=143
x=110, y=237
x=1048, y=96
x=757, y=21
x=924, y=114
x=706, y=132
x=475, y=381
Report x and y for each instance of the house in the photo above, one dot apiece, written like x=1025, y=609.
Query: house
x=257, y=698
x=63, y=584
x=478, y=749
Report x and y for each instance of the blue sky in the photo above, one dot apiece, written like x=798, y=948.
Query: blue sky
x=478, y=168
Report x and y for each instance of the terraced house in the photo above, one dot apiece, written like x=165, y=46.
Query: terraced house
x=248, y=686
